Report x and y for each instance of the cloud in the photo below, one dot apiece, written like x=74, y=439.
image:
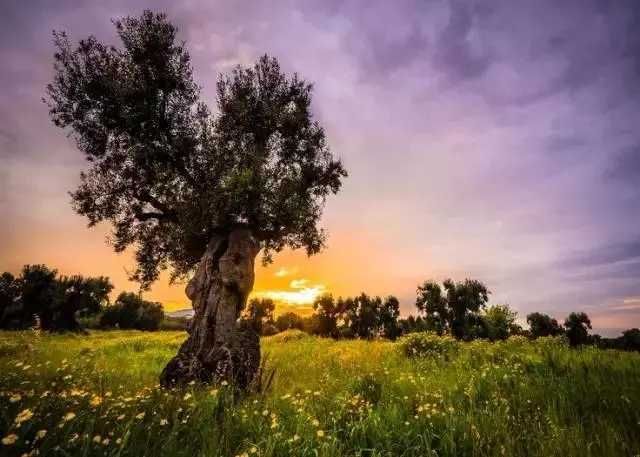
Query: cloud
x=300, y=296
x=491, y=140
x=298, y=283
x=283, y=272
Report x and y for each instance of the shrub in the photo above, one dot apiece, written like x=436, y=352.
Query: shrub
x=174, y=323
x=132, y=312
x=551, y=342
x=428, y=344
x=290, y=335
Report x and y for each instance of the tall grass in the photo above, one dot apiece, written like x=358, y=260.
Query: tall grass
x=97, y=395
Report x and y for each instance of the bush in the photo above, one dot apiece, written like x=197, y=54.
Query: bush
x=132, y=312
x=290, y=335
x=428, y=344
x=551, y=342
x=174, y=323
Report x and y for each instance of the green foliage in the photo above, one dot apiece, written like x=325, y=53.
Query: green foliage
x=259, y=315
x=358, y=317
x=366, y=397
x=38, y=297
x=289, y=321
x=543, y=325
x=130, y=311
x=167, y=173
x=457, y=309
x=577, y=326
x=290, y=335
x=499, y=321
x=428, y=344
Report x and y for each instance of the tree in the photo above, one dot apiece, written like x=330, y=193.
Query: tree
x=259, y=312
x=130, y=311
x=577, y=326
x=458, y=310
x=499, y=322
x=630, y=340
x=9, y=298
x=38, y=296
x=388, y=317
x=543, y=325
x=328, y=312
x=368, y=317
x=362, y=315
x=79, y=294
x=192, y=191
x=288, y=321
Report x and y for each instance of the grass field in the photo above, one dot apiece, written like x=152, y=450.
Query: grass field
x=73, y=395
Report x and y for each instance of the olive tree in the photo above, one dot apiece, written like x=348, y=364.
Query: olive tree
x=191, y=190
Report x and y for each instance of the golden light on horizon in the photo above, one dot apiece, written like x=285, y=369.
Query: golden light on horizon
x=295, y=296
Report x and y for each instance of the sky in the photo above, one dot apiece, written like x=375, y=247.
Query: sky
x=495, y=140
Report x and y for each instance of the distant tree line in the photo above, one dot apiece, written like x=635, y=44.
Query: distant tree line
x=40, y=298
x=459, y=309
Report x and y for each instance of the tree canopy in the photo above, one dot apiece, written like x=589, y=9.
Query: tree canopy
x=54, y=300
x=169, y=174
x=457, y=309
x=543, y=325
x=578, y=326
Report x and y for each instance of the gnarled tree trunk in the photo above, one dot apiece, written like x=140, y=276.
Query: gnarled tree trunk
x=218, y=347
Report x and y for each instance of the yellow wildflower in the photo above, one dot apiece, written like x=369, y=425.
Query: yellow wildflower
x=41, y=434
x=15, y=398
x=23, y=416
x=69, y=416
x=320, y=433
x=9, y=439
x=97, y=439
x=95, y=401
x=140, y=416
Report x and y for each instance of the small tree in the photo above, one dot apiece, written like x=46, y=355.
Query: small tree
x=327, y=312
x=77, y=294
x=288, y=321
x=458, y=309
x=259, y=312
x=388, y=317
x=630, y=340
x=38, y=296
x=9, y=299
x=499, y=321
x=130, y=311
x=192, y=191
x=362, y=313
x=577, y=326
x=543, y=325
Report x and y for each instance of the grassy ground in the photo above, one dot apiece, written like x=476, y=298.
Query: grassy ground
x=97, y=395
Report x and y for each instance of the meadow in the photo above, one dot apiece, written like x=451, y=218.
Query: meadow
x=97, y=394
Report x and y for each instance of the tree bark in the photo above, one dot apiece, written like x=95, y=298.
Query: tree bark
x=218, y=347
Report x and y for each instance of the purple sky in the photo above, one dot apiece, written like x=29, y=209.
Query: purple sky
x=492, y=139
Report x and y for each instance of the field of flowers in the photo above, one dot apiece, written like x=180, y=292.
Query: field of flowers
x=72, y=395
